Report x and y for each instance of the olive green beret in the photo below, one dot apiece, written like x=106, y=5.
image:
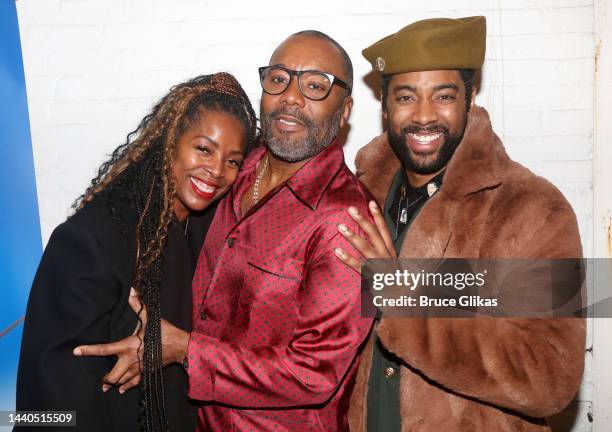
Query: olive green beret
x=431, y=44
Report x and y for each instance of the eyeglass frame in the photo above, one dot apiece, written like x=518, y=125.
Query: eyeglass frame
x=331, y=77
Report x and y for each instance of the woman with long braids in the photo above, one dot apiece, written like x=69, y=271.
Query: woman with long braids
x=138, y=228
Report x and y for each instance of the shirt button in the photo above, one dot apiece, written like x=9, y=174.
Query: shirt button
x=389, y=372
x=230, y=242
x=202, y=315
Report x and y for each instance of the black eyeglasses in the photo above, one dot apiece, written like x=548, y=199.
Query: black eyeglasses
x=313, y=84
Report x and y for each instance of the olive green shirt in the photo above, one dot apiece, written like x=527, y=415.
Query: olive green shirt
x=402, y=205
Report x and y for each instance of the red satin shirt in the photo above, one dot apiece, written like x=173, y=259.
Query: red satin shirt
x=277, y=322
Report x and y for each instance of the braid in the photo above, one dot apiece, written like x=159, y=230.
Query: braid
x=140, y=173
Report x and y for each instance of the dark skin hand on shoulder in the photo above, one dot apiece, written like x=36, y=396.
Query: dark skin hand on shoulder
x=378, y=243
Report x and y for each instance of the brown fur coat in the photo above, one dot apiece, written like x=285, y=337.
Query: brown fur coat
x=479, y=374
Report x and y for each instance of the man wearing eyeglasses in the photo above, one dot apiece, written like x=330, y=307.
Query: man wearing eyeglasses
x=277, y=323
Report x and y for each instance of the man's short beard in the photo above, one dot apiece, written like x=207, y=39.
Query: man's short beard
x=289, y=149
x=411, y=162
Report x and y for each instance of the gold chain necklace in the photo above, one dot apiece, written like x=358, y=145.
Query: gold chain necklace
x=258, y=178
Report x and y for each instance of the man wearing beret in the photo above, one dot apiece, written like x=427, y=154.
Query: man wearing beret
x=448, y=189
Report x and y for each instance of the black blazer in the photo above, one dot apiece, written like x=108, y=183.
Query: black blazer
x=79, y=296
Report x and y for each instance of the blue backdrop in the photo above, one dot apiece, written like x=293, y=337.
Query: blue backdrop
x=20, y=242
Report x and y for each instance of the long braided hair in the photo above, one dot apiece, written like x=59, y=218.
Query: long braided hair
x=140, y=173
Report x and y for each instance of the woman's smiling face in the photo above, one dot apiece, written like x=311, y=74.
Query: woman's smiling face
x=208, y=157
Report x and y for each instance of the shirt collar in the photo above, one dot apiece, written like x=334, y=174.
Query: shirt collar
x=310, y=182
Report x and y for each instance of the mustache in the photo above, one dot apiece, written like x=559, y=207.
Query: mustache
x=435, y=128
x=294, y=112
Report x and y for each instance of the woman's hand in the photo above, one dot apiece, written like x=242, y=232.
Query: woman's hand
x=129, y=351
x=378, y=244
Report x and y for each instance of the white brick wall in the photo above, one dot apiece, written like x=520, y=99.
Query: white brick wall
x=95, y=67
x=602, y=219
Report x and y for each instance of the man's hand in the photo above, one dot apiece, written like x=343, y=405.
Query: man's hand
x=127, y=371
x=378, y=244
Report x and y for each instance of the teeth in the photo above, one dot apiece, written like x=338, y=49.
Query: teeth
x=202, y=186
x=287, y=122
x=424, y=139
